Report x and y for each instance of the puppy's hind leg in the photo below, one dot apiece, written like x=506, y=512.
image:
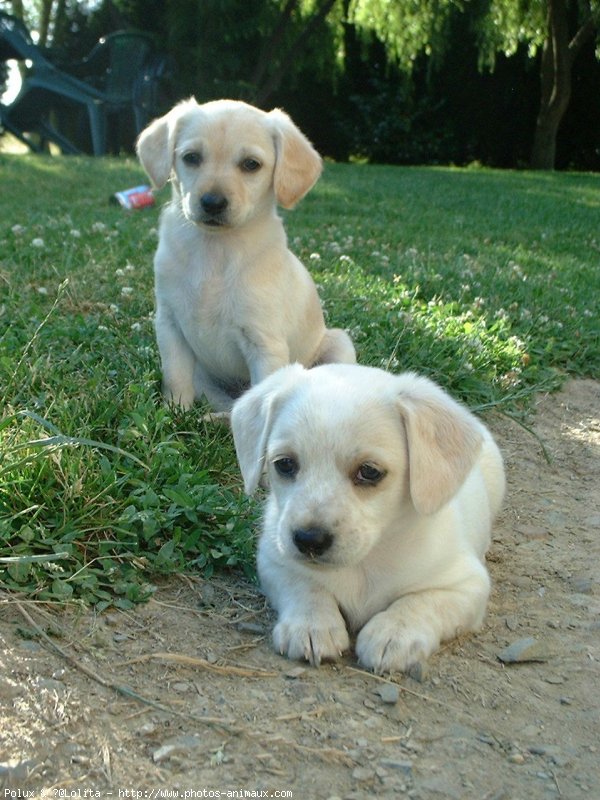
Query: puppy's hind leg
x=219, y=400
x=336, y=348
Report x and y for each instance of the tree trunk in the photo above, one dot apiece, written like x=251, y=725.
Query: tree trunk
x=273, y=44
x=18, y=10
x=276, y=77
x=44, y=26
x=558, y=56
x=60, y=34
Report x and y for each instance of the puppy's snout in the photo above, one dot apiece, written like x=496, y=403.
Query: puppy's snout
x=312, y=542
x=213, y=203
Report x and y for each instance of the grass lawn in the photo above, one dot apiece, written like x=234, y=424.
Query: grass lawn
x=487, y=281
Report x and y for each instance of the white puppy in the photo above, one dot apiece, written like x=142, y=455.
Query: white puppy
x=233, y=304
x=382, y=494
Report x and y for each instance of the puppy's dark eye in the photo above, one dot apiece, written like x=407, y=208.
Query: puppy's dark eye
x=250, y=165
x=368, y=475
x=192, y=159
x=286, y=467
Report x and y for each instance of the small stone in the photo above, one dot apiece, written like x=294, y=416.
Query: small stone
x=418, y=671
x=363, y=774
x=251, y=627
x=565, y=701
x=295, y=673
x=391, y=763
x=538, y=750
x=516, y=758
x=181, y=686
x=581, y=585
x=181, y=744
x=528, y=649
x=389, y=693
x=147, y=729
x=207, y=595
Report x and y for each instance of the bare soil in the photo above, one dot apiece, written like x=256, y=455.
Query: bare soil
x=184, y=694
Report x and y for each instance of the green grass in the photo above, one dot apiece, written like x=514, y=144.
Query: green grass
x=487, y=281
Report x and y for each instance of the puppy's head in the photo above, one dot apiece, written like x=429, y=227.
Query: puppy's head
x=351, y=453
x=228, y=161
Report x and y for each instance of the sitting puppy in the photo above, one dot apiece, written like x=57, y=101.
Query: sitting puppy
x=232, y=302
x=382, y=494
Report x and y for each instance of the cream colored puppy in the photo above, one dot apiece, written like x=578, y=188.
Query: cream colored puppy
x=382, y=494
x=232, y=302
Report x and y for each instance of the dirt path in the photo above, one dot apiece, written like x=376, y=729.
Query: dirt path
x=223, y=712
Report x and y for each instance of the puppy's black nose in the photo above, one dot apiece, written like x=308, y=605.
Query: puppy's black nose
x=312, y=542
x=213, y=203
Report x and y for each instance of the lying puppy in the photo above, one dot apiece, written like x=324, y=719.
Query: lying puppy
x=232, y=302
x=382, y=494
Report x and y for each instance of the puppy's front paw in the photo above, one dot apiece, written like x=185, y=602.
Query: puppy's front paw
x=313, y=640
x=182, y=397
x=386, y=645
x=217, y=418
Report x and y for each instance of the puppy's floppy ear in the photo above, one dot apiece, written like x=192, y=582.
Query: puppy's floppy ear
x=156, y=143
x=297, y=165
x=443, y=440
x=252, y=419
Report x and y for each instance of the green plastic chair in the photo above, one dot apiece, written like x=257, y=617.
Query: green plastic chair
x=46, y=88
x=119, y=78
x=122, y=66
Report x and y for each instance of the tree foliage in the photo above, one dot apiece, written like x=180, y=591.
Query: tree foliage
x=558, y=28
x=407, y=27
x=505, y=25
x=337, y=63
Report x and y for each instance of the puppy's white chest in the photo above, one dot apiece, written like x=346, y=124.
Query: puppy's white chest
x=211, y=328
x=203, y=298
x=360, y=594
x=207, y=302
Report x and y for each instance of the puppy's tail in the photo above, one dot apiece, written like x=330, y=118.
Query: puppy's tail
x=492, y=467
x=336, y=348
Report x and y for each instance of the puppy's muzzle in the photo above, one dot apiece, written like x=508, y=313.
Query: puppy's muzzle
x=213, y=206
x=312, y=542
